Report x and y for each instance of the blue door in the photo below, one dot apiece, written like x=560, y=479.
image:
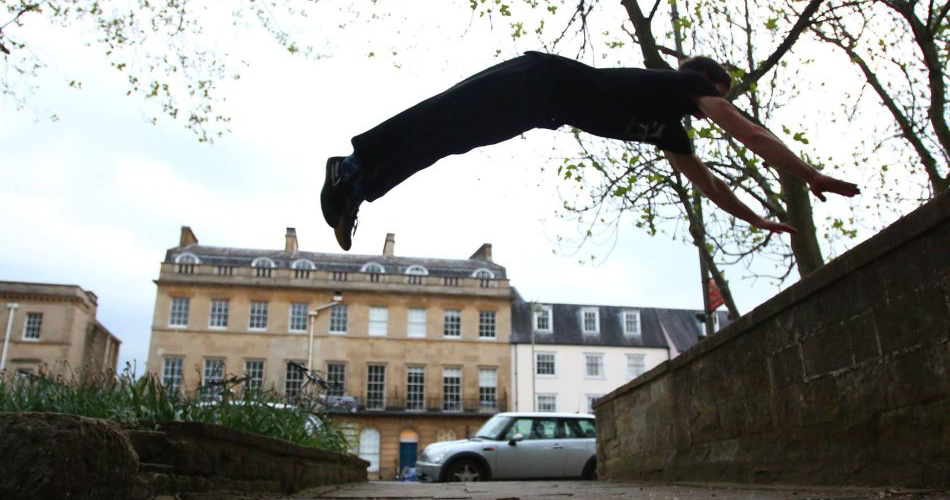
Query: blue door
x=407, y=455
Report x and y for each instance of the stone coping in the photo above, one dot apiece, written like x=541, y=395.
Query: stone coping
x=897, y=234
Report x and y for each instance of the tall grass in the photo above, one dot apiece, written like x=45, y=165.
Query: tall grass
x=141, y=401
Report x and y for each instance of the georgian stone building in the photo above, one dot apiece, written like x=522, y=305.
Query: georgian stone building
x=565, y=356
x=54, y=328
x=416, y=350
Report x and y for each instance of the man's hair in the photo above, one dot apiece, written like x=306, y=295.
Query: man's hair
x=708, y=68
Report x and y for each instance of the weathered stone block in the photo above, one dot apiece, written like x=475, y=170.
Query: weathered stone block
x=786, y=368
x=57, y=455
x=827, y=351
x=862, y=333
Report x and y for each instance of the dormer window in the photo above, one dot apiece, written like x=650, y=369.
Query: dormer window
x=186, y=262
x=374, y=269
x=302, y=268
x=590, y=320
x=416, y=273
x=264, y=266
x=483, y=274
x=631, y=323
x=543, y=319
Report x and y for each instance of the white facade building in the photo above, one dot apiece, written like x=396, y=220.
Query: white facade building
x=565, y=356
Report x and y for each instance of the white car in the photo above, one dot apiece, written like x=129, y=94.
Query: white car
x=517, y=446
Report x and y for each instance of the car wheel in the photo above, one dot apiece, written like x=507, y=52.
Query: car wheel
x=590, y=470
x=465, y=471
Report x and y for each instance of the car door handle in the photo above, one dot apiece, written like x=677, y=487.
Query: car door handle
x=557, y=447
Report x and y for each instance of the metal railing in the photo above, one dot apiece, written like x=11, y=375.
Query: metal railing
x=350, y=404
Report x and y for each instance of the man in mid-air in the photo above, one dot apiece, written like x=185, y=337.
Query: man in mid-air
x=547, y=91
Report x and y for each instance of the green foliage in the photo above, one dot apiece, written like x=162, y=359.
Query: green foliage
x=138, y=401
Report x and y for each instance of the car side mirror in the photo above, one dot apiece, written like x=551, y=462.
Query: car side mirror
x=514, y=439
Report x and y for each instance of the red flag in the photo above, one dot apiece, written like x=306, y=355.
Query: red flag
x=715, y=297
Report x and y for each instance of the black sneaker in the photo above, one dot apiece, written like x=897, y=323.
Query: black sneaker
x=345, y=227
x=334, y=191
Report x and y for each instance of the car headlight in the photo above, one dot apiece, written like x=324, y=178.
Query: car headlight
x=435, y=456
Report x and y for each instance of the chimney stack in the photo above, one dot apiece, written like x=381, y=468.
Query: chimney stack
x=187, y=237
x=389, y=247
x=483, y=253
x=290, y=240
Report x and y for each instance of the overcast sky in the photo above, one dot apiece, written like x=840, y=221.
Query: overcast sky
x=97, y=197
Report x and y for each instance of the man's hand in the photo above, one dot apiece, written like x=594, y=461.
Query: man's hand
x=775, y=227
x=823, y=184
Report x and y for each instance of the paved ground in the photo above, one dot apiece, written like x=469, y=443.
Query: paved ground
x=587, y=490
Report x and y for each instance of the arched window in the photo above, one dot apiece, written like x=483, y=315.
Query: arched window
x=186, y=262
x=417, y=270
x=303, y=264
x=369, y=448
x=373, y=268
x=302, y=268
x=187, y=258
x=483, y=274
x=264, y=266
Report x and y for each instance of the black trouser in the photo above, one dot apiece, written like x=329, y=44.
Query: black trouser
x=531, y=91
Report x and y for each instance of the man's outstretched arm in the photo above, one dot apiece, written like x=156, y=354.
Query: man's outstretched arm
x=769, y=148
x=720, y=194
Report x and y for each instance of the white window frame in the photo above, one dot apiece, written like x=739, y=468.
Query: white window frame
x=378, y=321
x=535, y=315
x=265, y=262
x=290, y=368
x=643, y=364
x=209, y=374
x=638, y=330
x=335, y=312
x=486, y=382
x=482, y=314
x=419, y=398
x=483, y=274
x=454, y=313
x=336, y=387
x=224, y=312
x=380, y=383
x=177, y=378
x=416, y=320
x=303, y=265
x=255, y=381
x=172, y=314
x=251, y=316
x=538, y=354
x=599, y=357
x=290, y=320
x=417, y=270
x=591, y=398
x=27, y=327
x=456, y=404
x=187, y=258
x=584, y=312
x=370, y=267
x=537, y=402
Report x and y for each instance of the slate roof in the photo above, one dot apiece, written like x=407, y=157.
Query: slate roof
x=680, y=324
x=243, y=257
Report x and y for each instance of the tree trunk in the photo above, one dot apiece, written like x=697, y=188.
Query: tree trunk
x=805, y=241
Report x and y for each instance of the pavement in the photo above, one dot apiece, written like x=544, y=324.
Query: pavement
x=598, y=490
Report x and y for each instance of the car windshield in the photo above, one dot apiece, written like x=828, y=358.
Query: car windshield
x=493, y=427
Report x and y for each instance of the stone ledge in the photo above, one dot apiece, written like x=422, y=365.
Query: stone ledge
x=890, y=238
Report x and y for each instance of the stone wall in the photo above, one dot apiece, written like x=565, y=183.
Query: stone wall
x=58, y=455
x=196, y=457
x=842, y=379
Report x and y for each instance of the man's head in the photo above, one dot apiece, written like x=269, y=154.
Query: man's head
x=710, y=70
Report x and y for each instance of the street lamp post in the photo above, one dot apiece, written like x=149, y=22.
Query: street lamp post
x=312, y=316
x=11, y=309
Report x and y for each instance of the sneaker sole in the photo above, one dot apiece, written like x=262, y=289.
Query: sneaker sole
x=327, y=203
